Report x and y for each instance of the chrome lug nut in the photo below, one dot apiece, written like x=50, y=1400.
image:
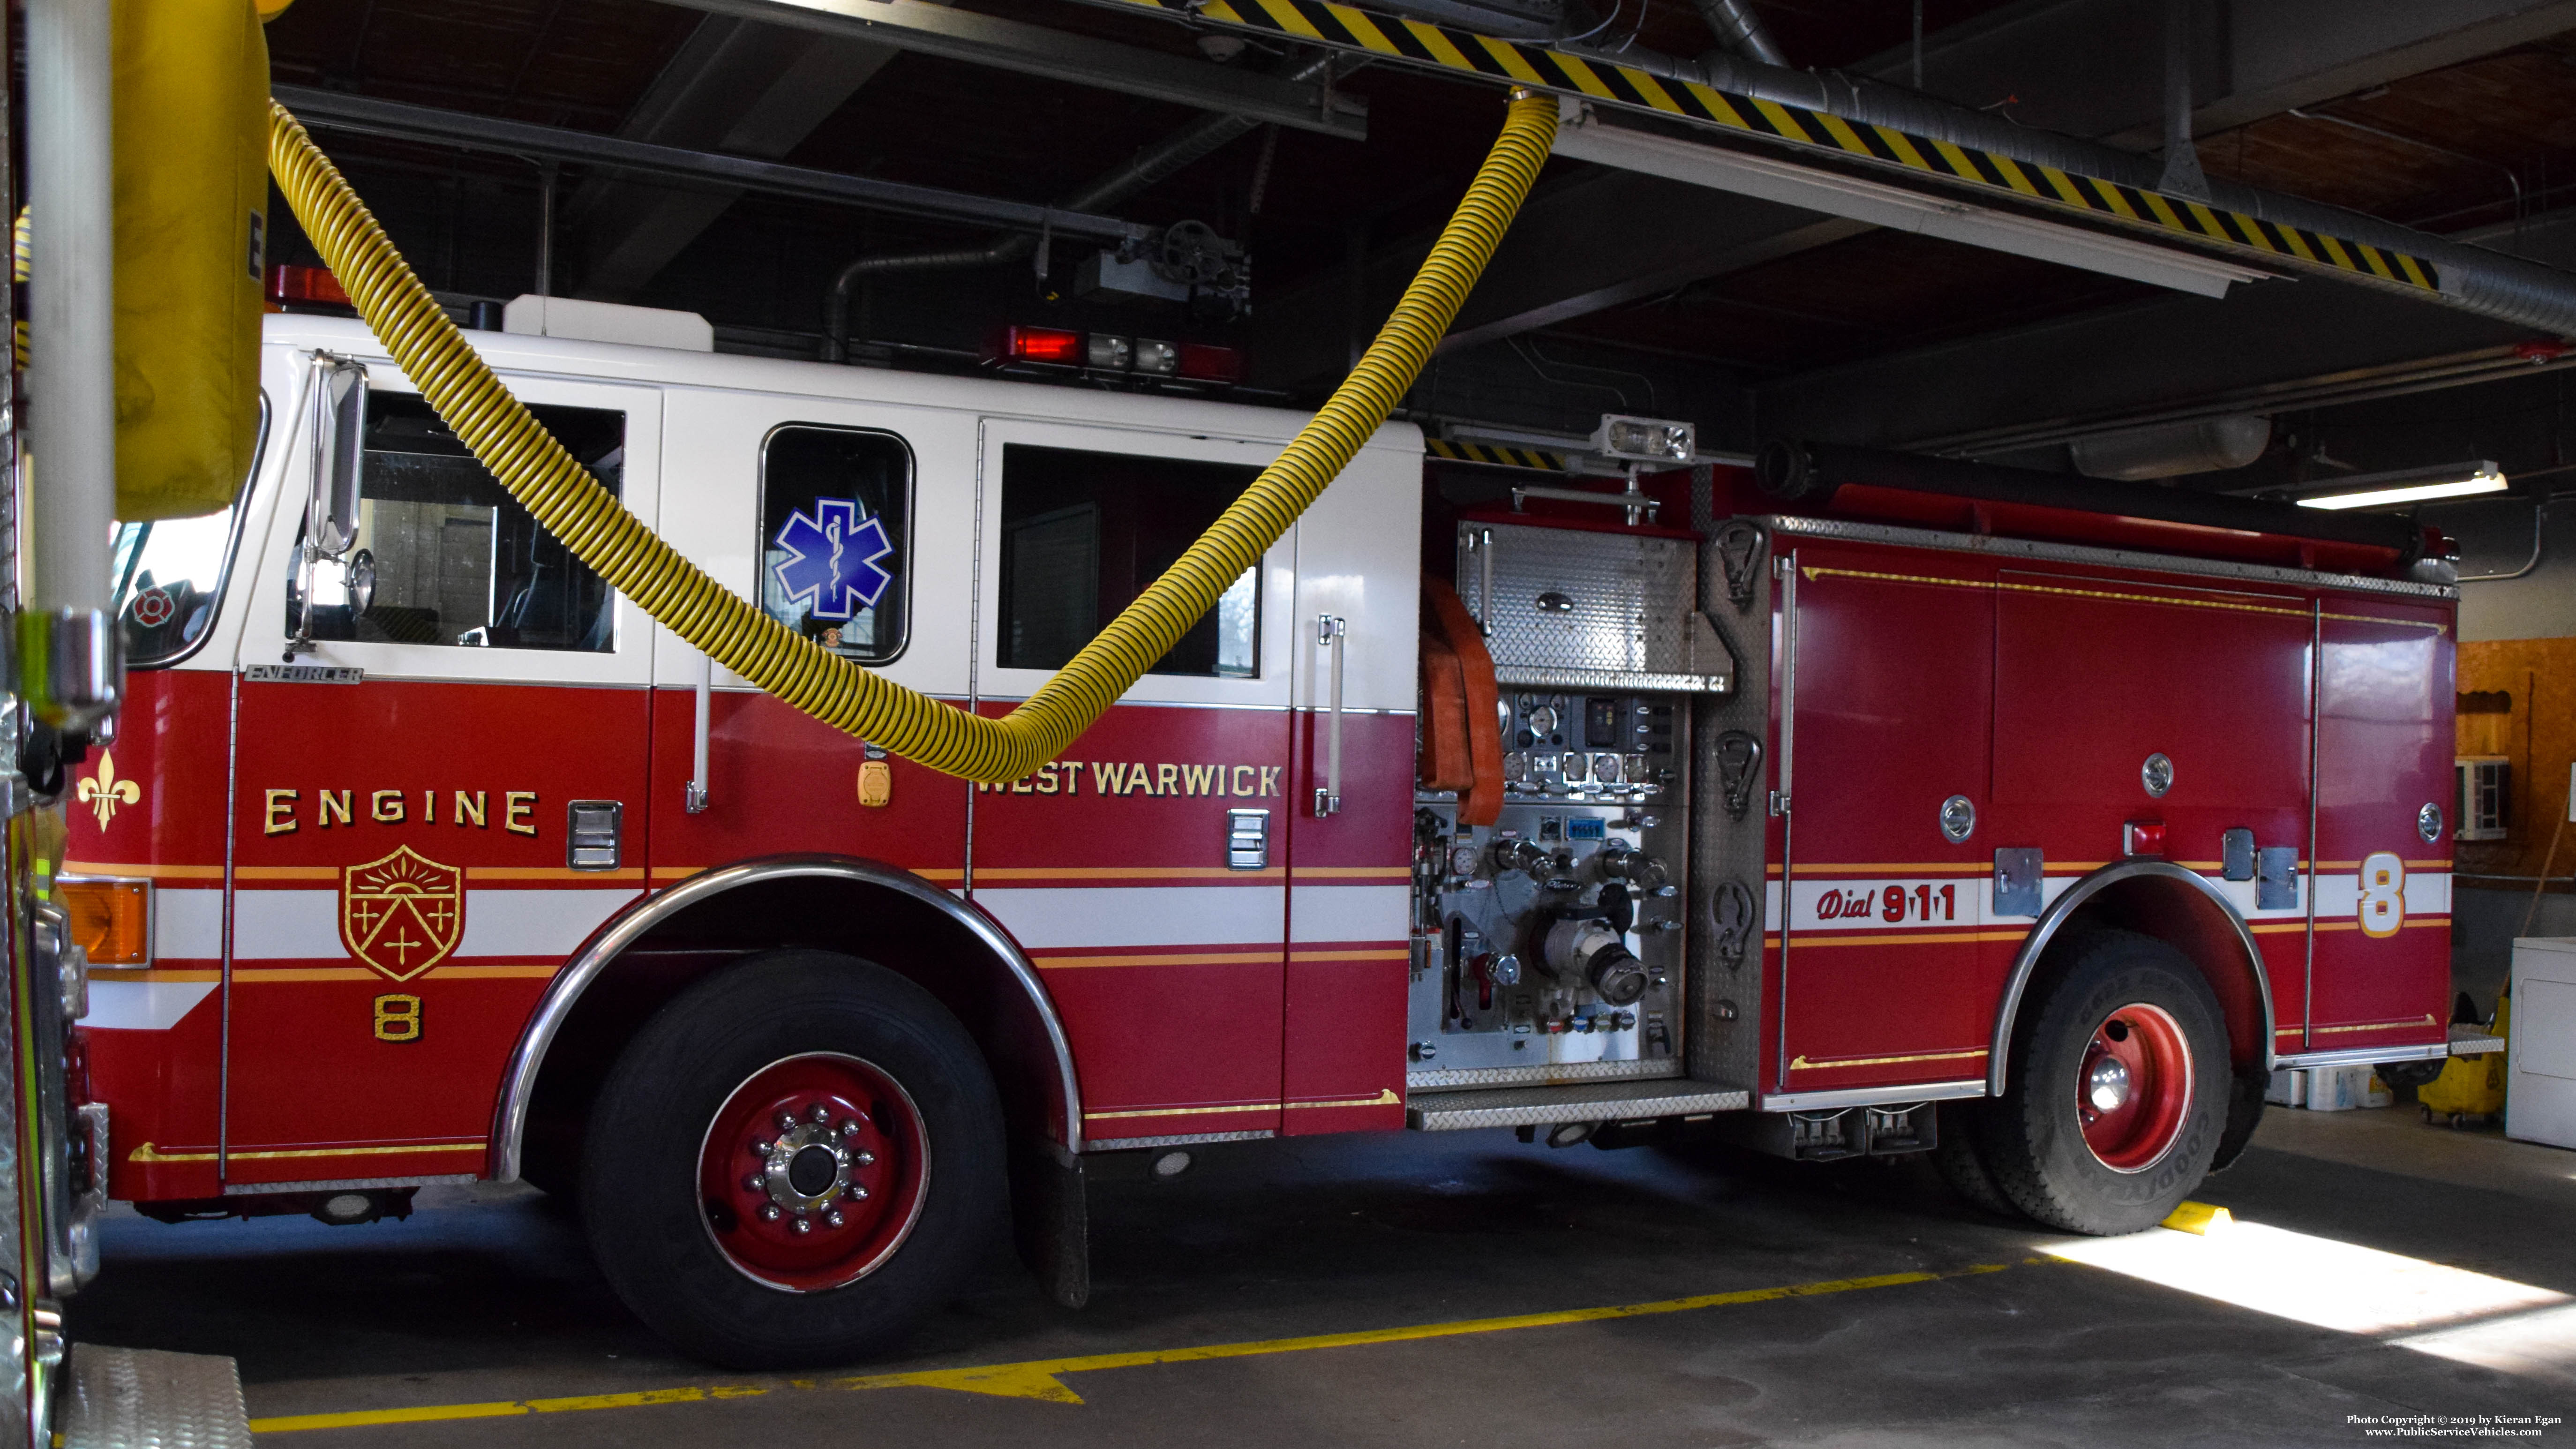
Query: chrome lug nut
x=786, y=1119
x=761, y=1148
x=832, y=1218
x=803, y=1226
x=849, y=1129
x=856, y=1191
x=820, y=1113
x=755, y=1182
x=769, y=1212
x=864, y=1158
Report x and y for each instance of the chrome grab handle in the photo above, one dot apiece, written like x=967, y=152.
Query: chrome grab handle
x=1480, y=542
x=1332, y=632
x=697, y=800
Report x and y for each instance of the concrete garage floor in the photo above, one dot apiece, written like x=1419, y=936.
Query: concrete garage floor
x=486, y=1297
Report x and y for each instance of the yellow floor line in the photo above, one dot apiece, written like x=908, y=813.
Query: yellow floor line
x=1037, y=1379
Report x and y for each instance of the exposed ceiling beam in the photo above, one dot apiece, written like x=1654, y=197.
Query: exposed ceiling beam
x=2092, y=68
x=2279, y=341
x=1587, y=243
x=334, y=110
x=1038, y=50
x=736, y=86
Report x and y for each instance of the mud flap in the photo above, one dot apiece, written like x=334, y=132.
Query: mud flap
x=1051, y=1216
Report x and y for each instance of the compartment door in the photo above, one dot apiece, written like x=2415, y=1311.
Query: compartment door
x=2384, y=750
x=403, y=883
x=1114, y=866
x=1889, y=699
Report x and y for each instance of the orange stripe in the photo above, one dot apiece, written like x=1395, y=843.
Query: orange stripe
x=1208, y=958
x=134, y=973
x=1114, y=872
x=1907, y=938
x=286, y=872
x=1354, y=872
x=146, y=872
x=551, y=872
x=1404, y=955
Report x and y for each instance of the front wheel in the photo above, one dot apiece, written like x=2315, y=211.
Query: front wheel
x=793, y=1161
x=2119, y=1090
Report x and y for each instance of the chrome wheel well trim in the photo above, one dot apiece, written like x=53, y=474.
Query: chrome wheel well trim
x=2059, y=911
x=527, y=1059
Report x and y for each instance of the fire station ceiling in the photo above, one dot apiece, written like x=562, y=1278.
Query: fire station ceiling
x=1619, y=291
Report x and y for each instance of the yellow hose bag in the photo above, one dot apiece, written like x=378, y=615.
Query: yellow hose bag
x=191, y=99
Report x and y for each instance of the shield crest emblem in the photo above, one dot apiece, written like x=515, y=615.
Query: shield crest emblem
x=402, y=914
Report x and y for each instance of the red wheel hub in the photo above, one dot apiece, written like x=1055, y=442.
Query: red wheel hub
x=2133, y=1091
x=813, y=1172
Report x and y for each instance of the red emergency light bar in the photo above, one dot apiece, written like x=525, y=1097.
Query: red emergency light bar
x=1108, y=352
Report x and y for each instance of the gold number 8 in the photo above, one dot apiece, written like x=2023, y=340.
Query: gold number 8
x=2383, y=894
x=397, y=1018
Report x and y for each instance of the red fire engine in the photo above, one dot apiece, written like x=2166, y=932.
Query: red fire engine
x=1883, y=806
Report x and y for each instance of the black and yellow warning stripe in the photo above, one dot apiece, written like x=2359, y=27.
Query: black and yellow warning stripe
x=1498, y=457
x=1601, y=81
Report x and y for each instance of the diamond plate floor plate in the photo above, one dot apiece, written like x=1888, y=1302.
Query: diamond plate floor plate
x=1590, y=1102
x=143, y=1398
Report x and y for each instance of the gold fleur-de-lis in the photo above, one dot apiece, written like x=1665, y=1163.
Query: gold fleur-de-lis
x=103, y=792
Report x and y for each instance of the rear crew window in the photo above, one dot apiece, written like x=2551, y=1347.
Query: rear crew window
x=835, y=537
x=1082, y=535
x=457, y=561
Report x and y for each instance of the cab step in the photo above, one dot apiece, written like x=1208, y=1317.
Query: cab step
x=1585, y=1102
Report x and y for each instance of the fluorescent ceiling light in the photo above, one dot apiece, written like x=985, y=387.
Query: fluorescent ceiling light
x=2406, y=485
x=1901, y=209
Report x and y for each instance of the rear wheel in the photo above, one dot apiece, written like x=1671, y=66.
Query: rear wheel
x=2119, y=1090
x=793, y=1161
x=1955, y=1154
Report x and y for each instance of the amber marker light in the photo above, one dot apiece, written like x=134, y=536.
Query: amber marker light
x=111, y=919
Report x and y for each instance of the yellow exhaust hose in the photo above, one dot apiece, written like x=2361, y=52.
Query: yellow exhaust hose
x=590, y=521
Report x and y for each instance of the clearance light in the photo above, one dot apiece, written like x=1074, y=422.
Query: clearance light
x=1162, y=359
x=1202, y=362
x=2409, y=485
x=2430, y=1308
x=305, y=284
x=2142, y=837
x=111, y=919
x=1041, y=344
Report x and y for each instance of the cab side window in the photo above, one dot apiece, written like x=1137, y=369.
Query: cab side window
x=836, y=537
x=457, y=561
x=1083, y=534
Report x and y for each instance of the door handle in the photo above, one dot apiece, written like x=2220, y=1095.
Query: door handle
x=1247, y=839
x=1333, y=633
x=697, y=799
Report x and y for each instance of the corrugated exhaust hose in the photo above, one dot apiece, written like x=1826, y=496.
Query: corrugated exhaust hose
x=597, y=528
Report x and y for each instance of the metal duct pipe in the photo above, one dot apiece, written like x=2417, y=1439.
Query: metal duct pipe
x=1812, y=473
x=1191, y=143
x=1740, y=30
x=2170, y=450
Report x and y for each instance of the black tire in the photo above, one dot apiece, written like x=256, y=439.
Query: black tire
x=2032, y=1141
x=1954, y=1152
x=649, y=1226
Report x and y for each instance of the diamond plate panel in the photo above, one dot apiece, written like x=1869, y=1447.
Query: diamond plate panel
x=1545, y=1106
x=144, y=1398
x=1572, y=609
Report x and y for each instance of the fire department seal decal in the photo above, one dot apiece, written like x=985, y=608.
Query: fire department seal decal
x=402, y=914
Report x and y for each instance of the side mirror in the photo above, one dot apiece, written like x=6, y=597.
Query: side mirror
x=339, y=450
x=336, y=392
x=361, y=577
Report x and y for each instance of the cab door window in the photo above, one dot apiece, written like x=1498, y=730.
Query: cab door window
x=1083, y=533
x=835, y=537
x=457, y=561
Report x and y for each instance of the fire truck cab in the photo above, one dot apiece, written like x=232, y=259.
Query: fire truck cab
x=2032, y=839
